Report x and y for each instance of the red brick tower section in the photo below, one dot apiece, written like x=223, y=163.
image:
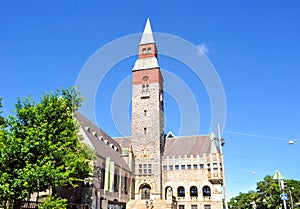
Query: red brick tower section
x=147, y=119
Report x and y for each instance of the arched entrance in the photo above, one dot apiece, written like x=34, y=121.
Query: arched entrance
x=168, y=192
x=145, y=191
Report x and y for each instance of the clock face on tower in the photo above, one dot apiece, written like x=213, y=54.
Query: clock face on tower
x=145, y=78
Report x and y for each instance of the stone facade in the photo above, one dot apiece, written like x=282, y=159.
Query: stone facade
x=151, y=169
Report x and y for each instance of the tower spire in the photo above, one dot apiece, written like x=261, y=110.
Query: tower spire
x=147, y=37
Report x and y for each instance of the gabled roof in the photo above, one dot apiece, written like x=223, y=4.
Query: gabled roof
x=187, y=145
x=104, y=145
x=125, y=142
x=147, y=37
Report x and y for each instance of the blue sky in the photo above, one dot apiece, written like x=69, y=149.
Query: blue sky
x=253, y=45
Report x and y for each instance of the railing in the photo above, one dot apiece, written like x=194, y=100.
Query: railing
x=29, y=205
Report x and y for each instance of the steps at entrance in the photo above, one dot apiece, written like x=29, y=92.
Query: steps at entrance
x=141, y=204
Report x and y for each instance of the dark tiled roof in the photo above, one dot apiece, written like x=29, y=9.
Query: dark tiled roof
x=102, y=149
x=187, y=145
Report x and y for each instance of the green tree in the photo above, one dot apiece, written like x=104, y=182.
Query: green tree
x=53, y=203
x=1, y=118
x=267, y=195
x=41, y=147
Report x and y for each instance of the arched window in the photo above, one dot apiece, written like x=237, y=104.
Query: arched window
x=149, y=50
x=180, y=191
x=144, y=51
x=206, y=191
x=193, y=191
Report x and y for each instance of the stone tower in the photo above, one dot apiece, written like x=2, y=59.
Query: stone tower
x=147, y=119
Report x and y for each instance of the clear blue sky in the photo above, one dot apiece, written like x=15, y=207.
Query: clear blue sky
x=253, y=45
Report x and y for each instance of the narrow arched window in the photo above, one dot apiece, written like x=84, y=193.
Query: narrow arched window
x=180, y=191
x=149, y=50
x=193, y=191
x=144, y=51
x=206, y=191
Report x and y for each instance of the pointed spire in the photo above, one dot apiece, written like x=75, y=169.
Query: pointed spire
x=147, y=37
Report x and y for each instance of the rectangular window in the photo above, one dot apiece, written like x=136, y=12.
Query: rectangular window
x=149, y=166
x=145, y=171
x=145, y=165
x=165, y=167
x=170, y=167
x=145, y=88
x=195, y=166
x=189, y=167
x=182, y=167
x=201, y=166
x=207, y=207
x=176, y=167
x=194, y=206
x=145, y=91
x=181, y=206
x=140, y=165
x=149, y=171
x=140, y=171
x=215, y=165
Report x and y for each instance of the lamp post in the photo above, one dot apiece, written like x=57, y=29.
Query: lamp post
x=222, y=143
x=291, y=197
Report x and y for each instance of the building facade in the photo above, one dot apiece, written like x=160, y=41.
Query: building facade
x=151, y=169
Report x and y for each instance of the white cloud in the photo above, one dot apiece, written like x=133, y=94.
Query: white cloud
x=202, y=48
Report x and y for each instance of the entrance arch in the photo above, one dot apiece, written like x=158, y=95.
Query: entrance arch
x=145, y=191
x=168, y=192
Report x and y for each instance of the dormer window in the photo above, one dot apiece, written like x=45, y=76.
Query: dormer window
x=149, y=50
x=144, y=51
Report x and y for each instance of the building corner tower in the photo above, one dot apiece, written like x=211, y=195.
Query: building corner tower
x=147, y=119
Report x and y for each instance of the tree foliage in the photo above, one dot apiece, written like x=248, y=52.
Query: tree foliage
x=53, y=203
x=40, y=148
x=267, y=195
x=1, y=118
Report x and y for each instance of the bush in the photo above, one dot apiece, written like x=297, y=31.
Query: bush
x=53, y=203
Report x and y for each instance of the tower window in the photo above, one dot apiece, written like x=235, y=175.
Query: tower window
x=145, y=112
x=145, y=130
x=144, y=51
x=145, y=91
x=145, y=87
x=149, y=50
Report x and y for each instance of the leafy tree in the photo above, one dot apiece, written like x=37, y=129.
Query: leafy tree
x=41, y=148
x=1, y=118
x=53, y=203
x=267, y=195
